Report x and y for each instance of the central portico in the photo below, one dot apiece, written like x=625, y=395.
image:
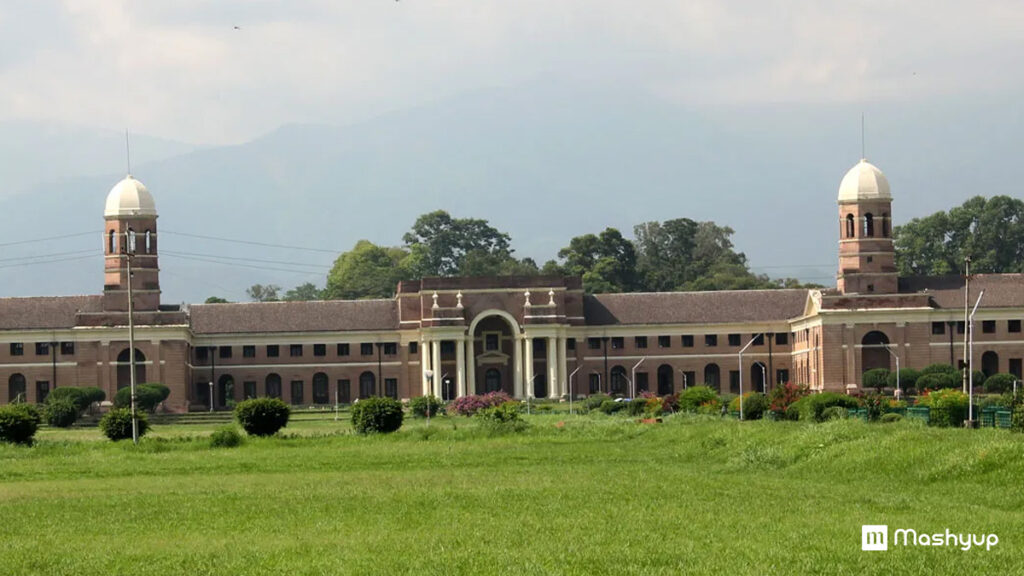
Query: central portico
x=482, y=335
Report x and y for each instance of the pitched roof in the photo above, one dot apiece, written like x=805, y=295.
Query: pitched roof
x=46, y=312
x=694, y=307
x=318, y=316
x=1001, y=290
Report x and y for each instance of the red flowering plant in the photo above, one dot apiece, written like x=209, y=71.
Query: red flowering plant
x=470, y=405
x=782, y=397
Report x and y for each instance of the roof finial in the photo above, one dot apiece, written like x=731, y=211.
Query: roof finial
x=863, y=155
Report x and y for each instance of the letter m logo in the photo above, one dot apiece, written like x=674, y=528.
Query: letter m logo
x=874, y=537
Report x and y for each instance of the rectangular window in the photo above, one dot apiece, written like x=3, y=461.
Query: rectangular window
x=689, y=379
x=1015, y=367
x=687, y=341
x=202, y=353
x=42, y=349
x=960, y=327
x=938, y=328
x=618, y=343
x=711, y=340
x=448, y=347
x=640, y=341
x=273, y=350
x=344, y=391
x=491, y=342
x=390, y=348
x=595, y=383
x=734, y=381
x=296, y=392
x=17, y=349
x=68, y=348
x=642, y=384
x=664, y=341
x=592, y=343
x=249, y=388
x=782, y=339
x=570, y=343
x=343, y=350
x=988, y=326
x=366, y=349
x=42, y=391
x=295, y=350
x=248, y=351
x=734, y=339
x=320, y=393
x=1013, y=326
x=540, y=347
x=225, y=351
x=781, y=376
x=414, y=348
x=758, y=339
x=319, y=349
x=391, y=387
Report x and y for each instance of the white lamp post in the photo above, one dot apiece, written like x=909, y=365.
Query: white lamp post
x=740, y=355
x=684, y=378
x=571, y=386
x=430, y=389
x=632, y=385
x=970, y=363
x=899, y=392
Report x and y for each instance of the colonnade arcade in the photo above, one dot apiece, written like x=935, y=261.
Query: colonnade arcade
x=494, y=354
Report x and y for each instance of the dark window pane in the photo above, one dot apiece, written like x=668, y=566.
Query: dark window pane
x=319, y=349
x=938, y=328
x=295, y=350
x=67, y=348
x=711, y=340
x=343, y=350
x=664, y=341
x=782, y=338
x=618, y=343
x=248, y=351
x=366, y=349
x=592, y=343
x=42, y=349
x=414, y=348
x=687, y=341
x=273, y=351
x=390, y=348
x=988, y=327
x=734, y=339
x=297, y=392
x=640, y=341
x=17, y=349
x=225, y=351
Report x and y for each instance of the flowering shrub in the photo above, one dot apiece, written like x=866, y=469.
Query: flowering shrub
x=696, y=396
x=755, y=405
x=713, y=407
x=782, y=397
x=670, y=403
x=470, y=405
x=948, y=407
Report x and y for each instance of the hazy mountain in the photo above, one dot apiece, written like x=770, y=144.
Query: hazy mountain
x=542, y=162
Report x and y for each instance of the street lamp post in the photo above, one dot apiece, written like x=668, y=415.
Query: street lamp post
x=571, y=386
x=632, y=385
x=683, y=373
x=970, y=363
x=129, y=248
x=740, y=355
x=430, y=390
x=899, y=392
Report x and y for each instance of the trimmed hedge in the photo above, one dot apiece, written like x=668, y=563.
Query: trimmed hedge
x=948, y=407
x=262, y=416
x=421, y=404
x=19, y=423
x=473, y=403
x=62, y=412
x=908, y=379
x=76, y=396
x=696, y=396
x=377, y=414
x=755, y=404
x=877, y=378
x=147, y=396
x=225, y=437
x=117, y=424
x=811, y=408
x=1000, y=383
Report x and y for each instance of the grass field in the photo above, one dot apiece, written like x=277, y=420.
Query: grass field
x=601, y=495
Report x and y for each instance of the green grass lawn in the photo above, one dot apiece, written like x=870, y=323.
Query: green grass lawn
x=601, y=495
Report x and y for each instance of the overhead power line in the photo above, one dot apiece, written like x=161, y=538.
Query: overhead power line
x=53, y=255
x=38, y=240
x=252, y=243
x=239, y=265
x=54, y=261
x=285, y=262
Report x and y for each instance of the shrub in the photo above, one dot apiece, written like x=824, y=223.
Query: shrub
x=61, y=412
x=76, y=396
x=939, y=369
x=812, y=407
x=147, y=397
x=890, y=417
x=755, y=404
x=1017, y=416
x=377, y=414
x=782, y=397
x=908, y=379
x=262, y=416
x=938, y=381
x=835, y=413
x=504, y=417
x=18, y=423
x=696, y=396
x=117, y=424
x=165, y=392
x=636, y=406
x=470, y=405
x=876, y=405
x=93, y=394
x=712, y=407
x=876, y=378
x=225, y=437
x=999, y=383
x=611, y=406
x=421, y=404
x=948, y=407
x=594, y=401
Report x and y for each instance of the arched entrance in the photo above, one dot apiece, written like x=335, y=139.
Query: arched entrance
x=758, y=377
x=618, y=381
x=492, y=380
x=225, y=390
x=16, y=391
x=990, y=363
x=874, y=351
x=491, y=358
x=540, y=386
x=665, y=376
x=367, y=384
x=124, y=368
x=321, y=395
x=713, y=377
x=272, y=386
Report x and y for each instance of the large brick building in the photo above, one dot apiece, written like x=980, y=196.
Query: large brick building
x=536, y=336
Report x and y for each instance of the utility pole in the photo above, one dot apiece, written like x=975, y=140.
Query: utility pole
x=967, y=328
x=129, y=245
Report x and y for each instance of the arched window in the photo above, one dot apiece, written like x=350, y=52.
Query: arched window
x=618, y=380
x=131, y=241
x=665, y=377
x=990, y=363
x=869, y=225
x=124, y=368
x=272, y=386
x=149, y=242
x=367, y=384
x=758, y=377
x=492, y=380
x=225, y=390
x=874, y=351
x=885, y=225
x=16, y=388
x=849, y=226
x=321, y=395
x=112, y=243
x=712, y=377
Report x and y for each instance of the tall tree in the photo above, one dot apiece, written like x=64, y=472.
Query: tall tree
x=368, y=271
x=607, y=262
x=263, y=293
x=302, y=292
x=215, y=300
x=990, y=231
x=446, y=246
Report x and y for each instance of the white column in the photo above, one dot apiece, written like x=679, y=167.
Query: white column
x=553, y=387
x=528, y=353
x=563, y=372
x=435, y=365
x=460, y=368
x=517, y=365
x=424, y=365
x=471, y=366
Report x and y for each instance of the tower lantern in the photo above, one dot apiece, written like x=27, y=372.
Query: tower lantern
x=867, y=259
x=130, y=228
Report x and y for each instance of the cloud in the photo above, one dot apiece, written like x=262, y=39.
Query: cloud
x=182, y=70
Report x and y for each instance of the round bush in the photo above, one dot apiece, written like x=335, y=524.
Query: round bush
x=939, y=381
x=835, y=413
x=18, y=423
x=890, y=417
x=147, y=397
x=948, y=407
x=262, y=416
x=421, y=404
x=908, y=378
x=76, y=396
x=505, y=417
x=877, y=378
x=377, y=414
x=1000, y=383
x=61, y=412
x=755, y=405
x=93, y=394
x=611, y=406
x=117, y=424
x=636, y=406
x=691, y=399
x=225, y=437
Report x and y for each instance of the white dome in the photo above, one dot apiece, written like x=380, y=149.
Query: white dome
x=864, y=182
x=129, y=198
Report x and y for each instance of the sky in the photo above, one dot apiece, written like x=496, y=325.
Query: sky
x=223, y=72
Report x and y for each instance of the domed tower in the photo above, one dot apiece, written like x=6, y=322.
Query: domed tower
x=867, y=259
x=130, y=217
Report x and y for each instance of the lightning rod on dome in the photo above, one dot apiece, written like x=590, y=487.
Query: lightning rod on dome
x=862, y=153
x=128, y=151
